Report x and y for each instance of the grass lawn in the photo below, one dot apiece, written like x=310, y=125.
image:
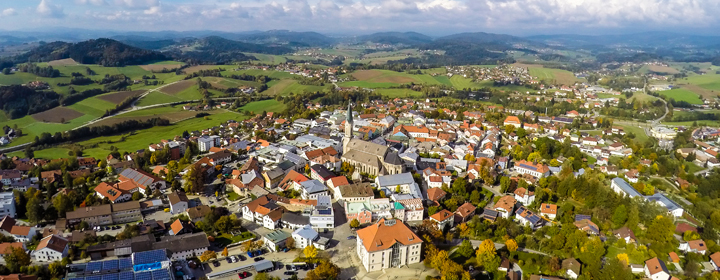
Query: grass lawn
x=140, y=139
x=460, y=82
x=639, y=132
x=398, y=92
x=93, y=106
x=690, y=123
x=692, y=168
x=270, y=105
x=255, y=72
x=232, y=196
x=227, y=239
x=560, y=76
x=613, y=251
x=156, y=97
x=682, y=95
x=642, y=96
x=287, y=86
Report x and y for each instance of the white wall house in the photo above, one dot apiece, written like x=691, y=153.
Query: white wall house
x=51, y=248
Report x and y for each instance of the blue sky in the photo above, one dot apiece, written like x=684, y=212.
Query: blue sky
x=521, y=17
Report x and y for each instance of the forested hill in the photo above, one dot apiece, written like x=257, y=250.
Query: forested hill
x=106, y=52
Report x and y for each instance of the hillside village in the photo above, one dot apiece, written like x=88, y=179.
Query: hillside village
x=510, y=192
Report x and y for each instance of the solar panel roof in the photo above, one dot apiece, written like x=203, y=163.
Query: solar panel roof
x=149, y=257
x=93, y=266
x=111, y=276
x=160, y=274
x=146, y=275
x=126, y=275
x=124, y=263
x=94, y=277
x=110, y=265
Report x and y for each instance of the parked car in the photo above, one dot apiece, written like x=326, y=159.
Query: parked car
x=288, y=267
x=242, y=258
x=351, y=237
x=259, y=259
x=244, y=274
x=216, y=263
x=290, y=272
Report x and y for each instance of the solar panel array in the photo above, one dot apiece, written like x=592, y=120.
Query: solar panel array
x=124, y=263
x=533, y=219
x=126, y=275
x=145, y=275
x=528, y=167
x=110, y=265
x=160, y=274
x=111, y=276
x=580, y=217
x=149, y=257
x=94, y=277
x=93, y=266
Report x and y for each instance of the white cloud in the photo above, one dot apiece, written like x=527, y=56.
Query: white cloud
x=138, y=3
x=9, y=12
x=152, y=10
x=92, y=2
x=50, y=10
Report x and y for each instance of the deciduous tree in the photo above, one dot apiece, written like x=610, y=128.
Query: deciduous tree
x=208, y=255
x=310, y=252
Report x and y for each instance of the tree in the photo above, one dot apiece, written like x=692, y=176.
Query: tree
x=224, y=224
x=504, y=184
x=624, y=258
x=35, y=210
x=56, y=269
x=207, y=255
x=690, y=235
x=325, y=270
x=465, y=249
x=16, y=259
x=225, y=252
x=354, y=223
x=486, y=256
x=310, y=251
x=464, y=229
x=620, y=215
x=290, y=243
x=511, y=245
x=29, y=152
x=137, y=196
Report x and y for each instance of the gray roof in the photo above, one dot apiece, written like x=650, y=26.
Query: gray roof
x=313, y=186
x=275, y=173
x=626, y=188
x=185, y=242
x=263, y=265
x=660, y=198
x=277, y=236
x=396, y=179
x=393, y=158
x=306, y=232
x=295, y=219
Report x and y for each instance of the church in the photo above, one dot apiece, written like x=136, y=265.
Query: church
x=368, y=157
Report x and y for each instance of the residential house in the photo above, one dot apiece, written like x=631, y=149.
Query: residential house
x=306, y=236
x=587, y=226
x=7, y=205
x=312, y=189
x=413, y=210
x=537, y=170
x=264, y=210
x=505, y=206
x=524, y=196
x=625, y=233
x=528, y=218
x=655, y=269
x=464, y=213
x=443, y=218
x=198, y=212
x=8, y=227
x=178, y=202
x=694, y=246
x=276, y=240
x=360, y=192
x=548, y=210
x=182, y=247
x=571, y=267
x=143, y=179
x=321, y=173
x=5, y=248
x=179, y=227
x=51, y=248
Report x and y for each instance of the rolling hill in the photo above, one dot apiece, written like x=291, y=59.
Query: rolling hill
x=106, y=52
x=393, y=38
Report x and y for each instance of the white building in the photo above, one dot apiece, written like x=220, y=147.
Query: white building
x=322, y=215
x=7, y=205
x=655, y=269
x=524, y=196
x=386, y=244
x=178, y=202
x=390, y=183
x=206, y=142
x=536, y=170
x=307, y=236
x=51, y=248
x=185, y=246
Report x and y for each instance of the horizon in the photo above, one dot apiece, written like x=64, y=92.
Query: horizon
x=352, y=17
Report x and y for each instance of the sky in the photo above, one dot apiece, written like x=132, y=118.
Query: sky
x=433, y=17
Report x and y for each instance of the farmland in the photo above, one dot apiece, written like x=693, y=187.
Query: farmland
x=562, y=77
x=682, y=95
x=270, y=105
x=57, y=115
x=707, y=85
x=178, y=87
x=159, y=66
x=118, y=97
x=63, y=62
x=285, y=87
x=99, y=147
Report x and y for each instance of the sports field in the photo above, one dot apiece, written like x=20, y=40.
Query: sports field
x=682, y=94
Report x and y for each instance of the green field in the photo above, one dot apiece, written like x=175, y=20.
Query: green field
x=639, y=132
x=270, y=105
x=548, y=74
x=142, y=138
x=157, y=97
x=398, y=92
x=459, y=82
x=93, y=106
x=270, y=73
x=287, y=86
x=682, y=95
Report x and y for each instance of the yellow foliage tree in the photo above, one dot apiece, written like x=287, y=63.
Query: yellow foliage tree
x=464, y=229
x=207, y=255
x=225, y=252
x=439, y=260
x=310, y=251
x=325, y=270
x=511, y=245
x=487, y=246
x=624, y=258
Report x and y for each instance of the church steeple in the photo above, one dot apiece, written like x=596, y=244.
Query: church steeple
x=348, y=128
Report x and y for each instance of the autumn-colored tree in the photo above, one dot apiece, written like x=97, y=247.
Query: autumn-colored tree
x=325, y=270
x=16, y=258
x=207, y=255
x=511, y=245
x=554, y=264
x=623, y=258
x=439, y=260
x=464, y=229
x=290, y=243
x=486, y=256
x=225, y=252
x=310, y=252
x=354, y=223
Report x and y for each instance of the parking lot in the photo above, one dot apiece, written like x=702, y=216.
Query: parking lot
x=279, y=259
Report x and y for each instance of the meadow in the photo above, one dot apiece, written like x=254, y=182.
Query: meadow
x=99, y=147
x=269, y=105
x=549, y=74
x=682, y=95
x=707, y=85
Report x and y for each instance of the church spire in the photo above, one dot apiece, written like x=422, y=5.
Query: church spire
x=349, y=117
